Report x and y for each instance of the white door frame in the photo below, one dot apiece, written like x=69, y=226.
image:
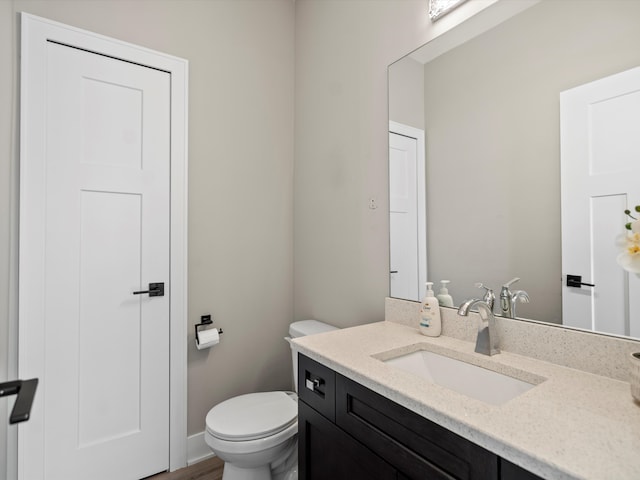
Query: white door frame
x=36, y=32
x=412, y=132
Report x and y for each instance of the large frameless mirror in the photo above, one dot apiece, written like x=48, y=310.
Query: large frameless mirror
x=493, y=146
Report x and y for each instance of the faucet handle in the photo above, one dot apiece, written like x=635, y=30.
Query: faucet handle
x=489, y=297
x=511, y=282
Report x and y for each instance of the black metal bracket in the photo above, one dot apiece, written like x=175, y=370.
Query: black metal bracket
x=204, y=321
x=576, y=281
x=26, y=391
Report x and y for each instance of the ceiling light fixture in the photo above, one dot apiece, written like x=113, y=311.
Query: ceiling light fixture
x=438, y=8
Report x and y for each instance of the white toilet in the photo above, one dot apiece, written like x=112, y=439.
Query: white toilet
x=256, y=434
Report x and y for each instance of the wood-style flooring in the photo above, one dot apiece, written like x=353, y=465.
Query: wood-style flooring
x=210, y=469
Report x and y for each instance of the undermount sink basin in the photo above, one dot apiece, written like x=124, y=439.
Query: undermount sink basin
x=470, y=380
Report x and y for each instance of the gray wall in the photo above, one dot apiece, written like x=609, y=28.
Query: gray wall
x=7, y=127
x=343, y=49
x=241, y=56
x=406, y=93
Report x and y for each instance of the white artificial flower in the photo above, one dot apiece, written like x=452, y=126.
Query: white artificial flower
x=629, y=259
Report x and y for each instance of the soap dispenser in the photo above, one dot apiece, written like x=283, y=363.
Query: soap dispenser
x=430, y=322
x=443, y=297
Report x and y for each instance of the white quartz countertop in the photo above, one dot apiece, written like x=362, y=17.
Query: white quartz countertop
x=572, y=425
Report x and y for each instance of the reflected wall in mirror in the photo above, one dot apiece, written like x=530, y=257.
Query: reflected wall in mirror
x=490, y=112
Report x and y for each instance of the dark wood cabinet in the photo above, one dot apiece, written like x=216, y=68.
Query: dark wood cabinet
x=420, y=448
x=328, y=453
x=347, y=431
x=510, y=471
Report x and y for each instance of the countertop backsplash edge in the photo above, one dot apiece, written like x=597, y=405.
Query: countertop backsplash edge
x=594, y=353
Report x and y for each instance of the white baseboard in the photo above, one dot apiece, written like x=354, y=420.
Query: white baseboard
x=197, y=449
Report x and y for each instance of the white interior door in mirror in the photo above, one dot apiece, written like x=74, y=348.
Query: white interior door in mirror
x=600, y=170
x=407, y=240
x=106, y=385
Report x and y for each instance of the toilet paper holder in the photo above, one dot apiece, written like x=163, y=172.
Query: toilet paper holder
x=204, y=321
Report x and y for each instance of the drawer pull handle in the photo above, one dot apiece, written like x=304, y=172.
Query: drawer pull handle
x=314, y=384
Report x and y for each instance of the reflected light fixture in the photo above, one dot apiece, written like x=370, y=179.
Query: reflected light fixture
x=438, y=8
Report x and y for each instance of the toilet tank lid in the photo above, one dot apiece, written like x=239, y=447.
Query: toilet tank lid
x=302, y=328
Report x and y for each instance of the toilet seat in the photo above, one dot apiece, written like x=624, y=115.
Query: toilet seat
x=252, y=416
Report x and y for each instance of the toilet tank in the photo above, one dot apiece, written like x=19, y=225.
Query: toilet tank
x=303, y=328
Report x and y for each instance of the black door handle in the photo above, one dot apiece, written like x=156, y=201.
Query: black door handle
x=26, y=391
x=576, y=281
x=155, y=290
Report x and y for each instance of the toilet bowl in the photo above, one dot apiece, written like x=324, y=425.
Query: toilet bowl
x=256, y=434
x=253, y=433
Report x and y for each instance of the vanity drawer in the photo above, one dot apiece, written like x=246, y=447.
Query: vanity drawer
x=317, y=386
x=418, y=447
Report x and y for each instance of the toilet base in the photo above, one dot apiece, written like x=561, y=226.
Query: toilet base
x=283, y=467
x=233, y=472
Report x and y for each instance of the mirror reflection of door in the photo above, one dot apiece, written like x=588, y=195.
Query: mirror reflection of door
x=600, y=142
x=407, y=240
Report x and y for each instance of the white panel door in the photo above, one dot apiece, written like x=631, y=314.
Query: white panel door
x=600, y=150
x=403, y=217
x=106, y=382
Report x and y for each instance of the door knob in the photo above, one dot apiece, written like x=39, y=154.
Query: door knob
x=155, y=290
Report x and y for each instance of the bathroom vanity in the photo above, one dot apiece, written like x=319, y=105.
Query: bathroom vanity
x=361, y=416
x=347, y=431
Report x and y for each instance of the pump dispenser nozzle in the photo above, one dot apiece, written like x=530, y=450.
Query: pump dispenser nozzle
x=429, y=289
x=443, y=297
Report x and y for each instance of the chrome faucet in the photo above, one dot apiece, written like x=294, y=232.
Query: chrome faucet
x=508, y=299
x=487, y=341
x=489, y=297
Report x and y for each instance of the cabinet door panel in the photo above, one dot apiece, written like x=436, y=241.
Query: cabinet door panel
x=510, y=471
x=419, y=448
x=327, y=453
